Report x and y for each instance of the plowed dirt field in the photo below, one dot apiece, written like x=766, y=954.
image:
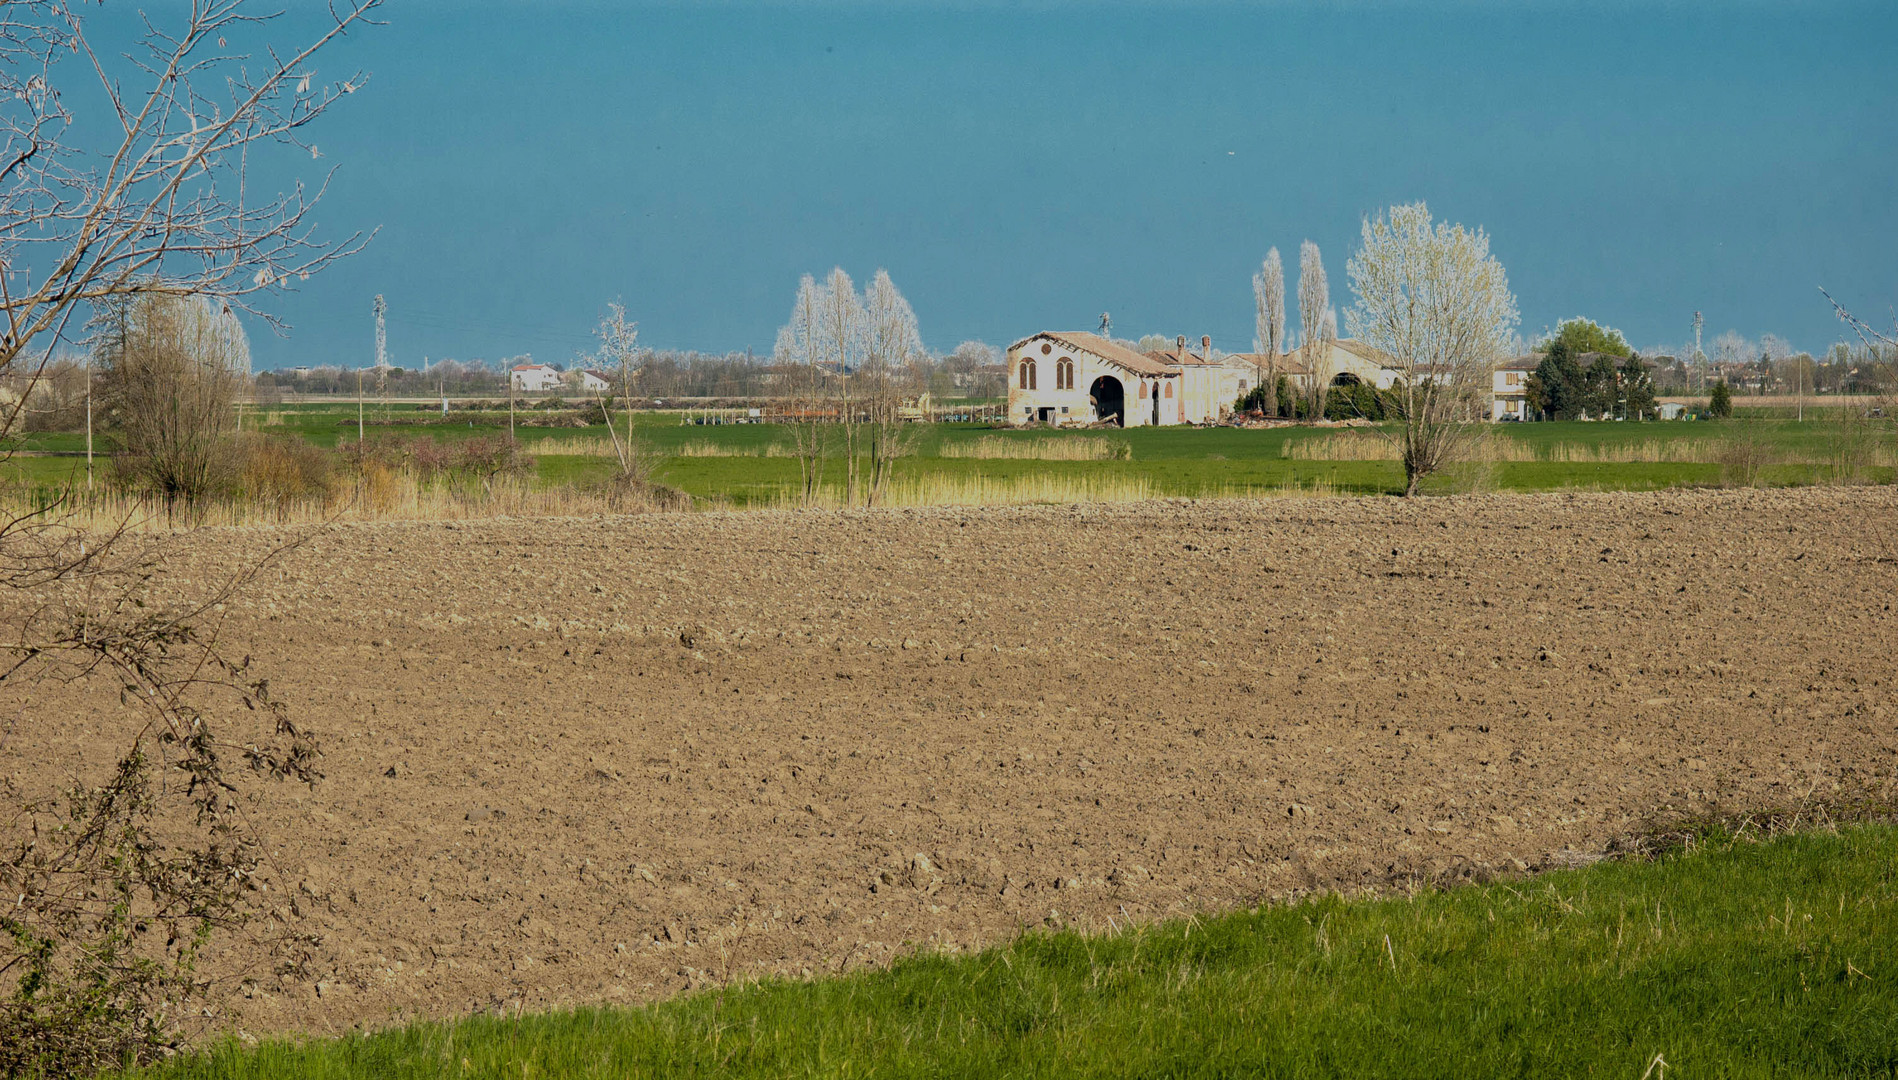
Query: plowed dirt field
x=605, y=760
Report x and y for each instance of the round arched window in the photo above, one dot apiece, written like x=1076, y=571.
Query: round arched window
x=1046, y=348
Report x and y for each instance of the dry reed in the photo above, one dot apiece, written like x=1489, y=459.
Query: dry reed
x=378, y=496
x=1367, y=447
x=944, y=490
x=1068, y=448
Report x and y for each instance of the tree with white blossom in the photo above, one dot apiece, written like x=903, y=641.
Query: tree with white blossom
x=1432, y=298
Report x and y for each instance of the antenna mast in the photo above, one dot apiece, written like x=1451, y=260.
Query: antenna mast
x=382, y=335
x=1107, y=326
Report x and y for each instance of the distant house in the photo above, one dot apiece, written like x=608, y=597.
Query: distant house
x=1204, y=380
x=595, y=382
x=1510, y=391
x=531, y=378
x=1062, y=377
x=1244, y=371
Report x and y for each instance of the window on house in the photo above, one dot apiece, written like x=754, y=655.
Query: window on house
x=1064, y=374
x=1169, y=389
x=1046, y=348
x=1026, y=379
x=1143, y=391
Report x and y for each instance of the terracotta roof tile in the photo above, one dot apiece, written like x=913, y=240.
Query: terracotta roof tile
x=1119, y=355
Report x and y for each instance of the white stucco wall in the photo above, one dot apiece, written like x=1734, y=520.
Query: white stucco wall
x=1025, y=406
x=1069, y=406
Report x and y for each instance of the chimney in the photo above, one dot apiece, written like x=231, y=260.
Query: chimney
x=1206, y=348
x=1180, y=344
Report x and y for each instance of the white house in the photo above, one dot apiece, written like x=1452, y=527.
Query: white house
x=594, y=382
x=1062, y=377
x=1510, y=388
x=534, y=377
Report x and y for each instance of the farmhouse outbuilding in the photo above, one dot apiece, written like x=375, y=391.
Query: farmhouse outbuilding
x=1072, y=377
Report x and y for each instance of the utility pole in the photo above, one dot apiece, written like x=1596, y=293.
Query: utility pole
x=382, y=337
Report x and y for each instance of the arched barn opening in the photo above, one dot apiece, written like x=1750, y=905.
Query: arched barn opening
x=1345, y=378
x=1109, y=399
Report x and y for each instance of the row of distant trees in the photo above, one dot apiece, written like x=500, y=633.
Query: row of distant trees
x=1590, y=371
x=971, y=370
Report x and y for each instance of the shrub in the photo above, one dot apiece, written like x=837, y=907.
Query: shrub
x=1354, y=401
x=275, y=469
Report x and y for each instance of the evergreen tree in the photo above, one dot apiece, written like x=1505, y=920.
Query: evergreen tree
x=1601, y=391
x=1561, y=385
x=1720, y=400
x=1637, y=389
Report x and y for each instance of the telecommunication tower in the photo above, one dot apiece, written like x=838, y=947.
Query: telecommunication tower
x=1700, y=358
x=1107, y=325
x=382, y=336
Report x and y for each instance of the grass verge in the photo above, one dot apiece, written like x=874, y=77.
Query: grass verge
x=1723, y=956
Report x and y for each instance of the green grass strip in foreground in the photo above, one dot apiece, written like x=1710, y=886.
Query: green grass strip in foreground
x=1737, y=959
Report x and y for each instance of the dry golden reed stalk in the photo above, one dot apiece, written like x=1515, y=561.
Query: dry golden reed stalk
x=704, y=448
x=941, y=490
x=1501, y=448
x=1061, y=448
x=380, y=495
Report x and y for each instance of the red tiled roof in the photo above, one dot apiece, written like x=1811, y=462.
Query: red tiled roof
x=1119, y=355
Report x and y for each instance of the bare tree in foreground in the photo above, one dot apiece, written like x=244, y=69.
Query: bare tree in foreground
x=1433, y=298
x=171, y=373
x=1856, y=433
x=115, y=884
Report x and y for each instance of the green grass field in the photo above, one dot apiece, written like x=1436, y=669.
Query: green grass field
x=1733, y=959
x=1167, y=461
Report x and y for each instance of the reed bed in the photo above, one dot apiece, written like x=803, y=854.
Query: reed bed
x=941, y=490
x=1069, y=448
x=602, y=447
x=398, y=498
x=1371, y=447
x=705, y=448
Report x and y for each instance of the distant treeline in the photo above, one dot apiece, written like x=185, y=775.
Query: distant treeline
x=971, y=370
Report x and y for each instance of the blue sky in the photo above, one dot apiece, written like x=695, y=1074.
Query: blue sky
x=1022, y=167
